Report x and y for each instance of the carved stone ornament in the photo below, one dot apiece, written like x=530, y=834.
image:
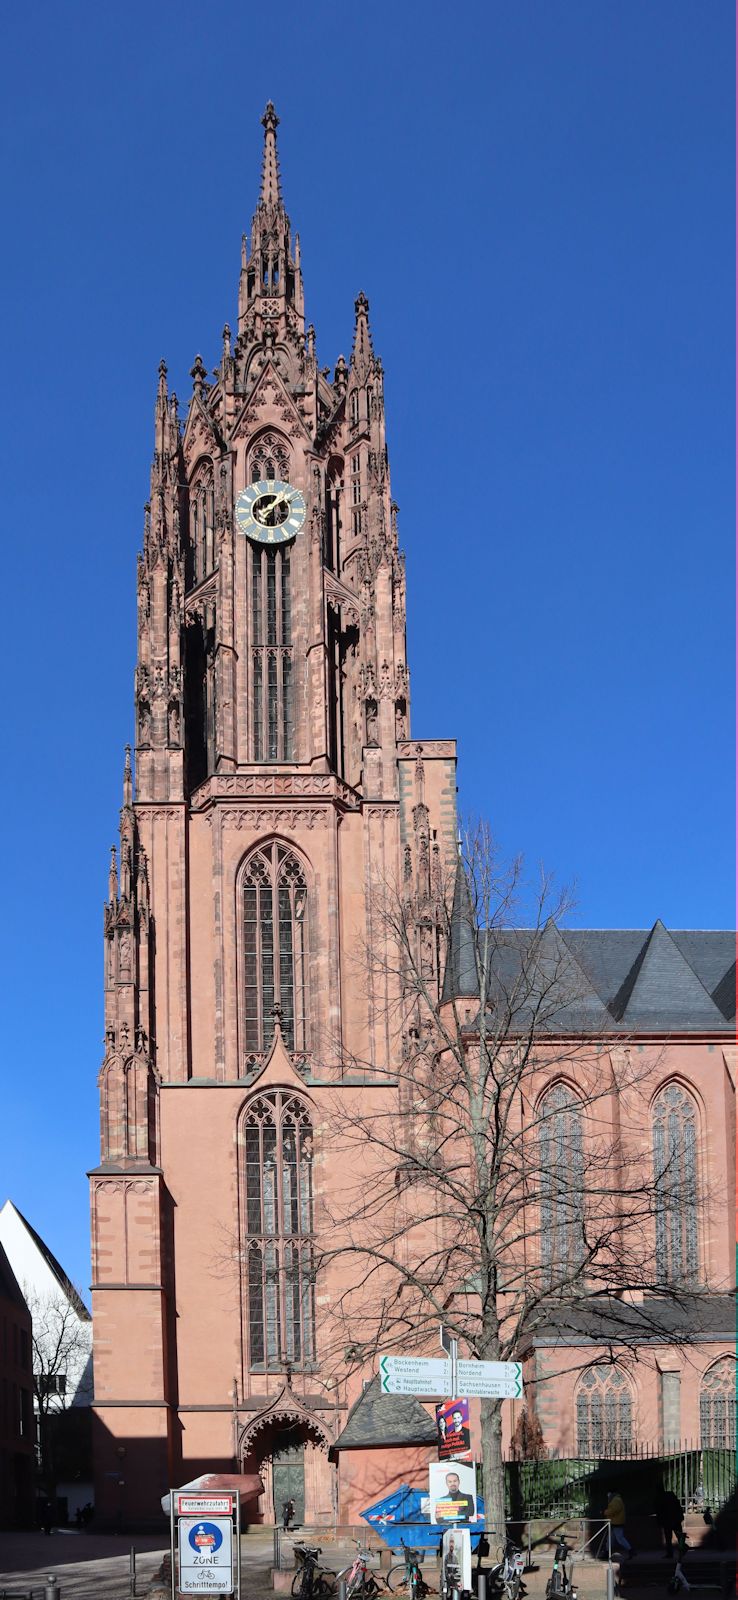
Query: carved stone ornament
x=287, y=1409
x=271, y=818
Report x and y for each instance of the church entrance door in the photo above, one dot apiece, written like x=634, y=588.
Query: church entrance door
x=288, y=1475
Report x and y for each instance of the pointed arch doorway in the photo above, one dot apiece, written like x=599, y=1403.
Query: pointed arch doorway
x=288, y=1446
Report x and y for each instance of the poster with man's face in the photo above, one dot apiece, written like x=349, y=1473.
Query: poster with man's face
x=454, y=1433
x=453, y=1492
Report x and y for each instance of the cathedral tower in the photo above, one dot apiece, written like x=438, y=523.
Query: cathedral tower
x=274, y=784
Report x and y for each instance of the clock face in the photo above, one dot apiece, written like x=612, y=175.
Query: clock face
x=270, y=512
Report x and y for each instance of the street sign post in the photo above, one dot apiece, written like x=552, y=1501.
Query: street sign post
x=413, y=1375
x=492, y=1380
x=206, y=1541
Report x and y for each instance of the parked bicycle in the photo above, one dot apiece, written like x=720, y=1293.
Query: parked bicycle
x=311, y=1579
x=559, y=1586
x=360, y=1582
x=406, y=1576
x=506, y=1577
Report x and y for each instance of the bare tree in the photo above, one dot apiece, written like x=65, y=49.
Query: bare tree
x=61, y=1345
x=503, y=1176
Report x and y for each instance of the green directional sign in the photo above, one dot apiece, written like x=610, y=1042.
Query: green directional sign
x=415, y=1375
x=491, y=1380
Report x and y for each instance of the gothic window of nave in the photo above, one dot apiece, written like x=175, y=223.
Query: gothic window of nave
x=271, y=638
x=202, y=523
x=604, y=1413
x=275, y=948
x=718, y=1405
x=675, y=1130
x=561, y=1166
x=279, y=1224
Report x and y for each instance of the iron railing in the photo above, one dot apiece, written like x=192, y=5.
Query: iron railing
x=556, y=1486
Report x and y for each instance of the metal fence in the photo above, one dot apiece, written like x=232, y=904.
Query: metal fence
x=573, y=1486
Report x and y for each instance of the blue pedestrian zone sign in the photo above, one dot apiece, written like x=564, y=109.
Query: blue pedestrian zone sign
x=205, y=1555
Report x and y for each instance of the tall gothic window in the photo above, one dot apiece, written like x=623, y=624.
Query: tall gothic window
x=275, y=949
x=718, y=1405
x=202, y=524
x=561, y=1162
x=604, y=1413
x=271, y=637
x=279, y=1225
x=676, y=1185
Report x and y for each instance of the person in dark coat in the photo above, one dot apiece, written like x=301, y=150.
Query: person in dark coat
x=669, y=1513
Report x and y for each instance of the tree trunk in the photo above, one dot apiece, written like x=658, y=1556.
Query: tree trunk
x=493, y=1468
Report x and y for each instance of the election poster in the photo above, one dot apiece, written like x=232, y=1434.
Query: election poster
x=457, y=1560
x=452, y=1492
x=454, y=1433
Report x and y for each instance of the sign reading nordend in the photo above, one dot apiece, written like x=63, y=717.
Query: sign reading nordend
x=494, y=1380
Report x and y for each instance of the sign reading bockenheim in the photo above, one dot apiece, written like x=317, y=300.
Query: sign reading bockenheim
x=205, y=1555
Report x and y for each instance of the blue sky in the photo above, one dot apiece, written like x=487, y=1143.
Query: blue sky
x=537, y=196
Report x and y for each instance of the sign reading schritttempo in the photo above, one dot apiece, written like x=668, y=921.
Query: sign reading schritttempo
x=205, y=1549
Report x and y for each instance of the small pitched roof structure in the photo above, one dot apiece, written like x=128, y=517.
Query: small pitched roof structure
x=661, y=980
x=385, y=1419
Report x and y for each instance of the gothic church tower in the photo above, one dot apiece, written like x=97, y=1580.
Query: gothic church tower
x=274, y=783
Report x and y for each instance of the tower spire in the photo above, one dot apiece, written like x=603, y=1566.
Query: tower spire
x=271, y=193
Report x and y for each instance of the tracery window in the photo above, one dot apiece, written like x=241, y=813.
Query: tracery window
x=561, y=1165
x=718, y=1405
x=604, y=1413
x=269, y=458
x=676, y=1185
x=202, y=524
x=275, y=948
x=278, y=1143
x=271, y=638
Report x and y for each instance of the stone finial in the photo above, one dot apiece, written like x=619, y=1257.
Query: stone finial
x=362, y=349
x=198, y=375
x=271, y=193
x=226, y=343
x=127, y=778
x=113, y=877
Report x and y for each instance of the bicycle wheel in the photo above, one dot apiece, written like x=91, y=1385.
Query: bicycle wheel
x=326, y=1584
x=297, y=1582
x=396, y=1578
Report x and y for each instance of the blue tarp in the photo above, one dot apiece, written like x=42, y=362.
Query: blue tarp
x=398, y=1516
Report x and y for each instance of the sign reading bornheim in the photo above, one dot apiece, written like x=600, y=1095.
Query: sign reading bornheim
x=493, y=1380
x=205, y=1549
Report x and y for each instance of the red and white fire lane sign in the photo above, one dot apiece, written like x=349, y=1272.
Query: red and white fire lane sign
x=205, y=1549
x=203, y=1505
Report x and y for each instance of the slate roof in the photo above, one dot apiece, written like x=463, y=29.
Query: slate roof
x=385, y=1419
x=656, y=1320
x=611, y=980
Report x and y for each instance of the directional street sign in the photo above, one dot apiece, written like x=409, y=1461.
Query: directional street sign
x=493, y=1380
x=414, y=1375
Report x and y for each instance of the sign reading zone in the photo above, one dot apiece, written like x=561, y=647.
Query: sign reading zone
x=205, y=1555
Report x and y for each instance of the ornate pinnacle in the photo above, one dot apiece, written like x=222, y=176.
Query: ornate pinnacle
x=198, y=374
x=113, y=877
x=271, y=193
x=362, y=334
x=127, y=778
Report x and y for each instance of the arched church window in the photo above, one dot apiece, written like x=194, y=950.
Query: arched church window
x=275, y=948
x=269, y=458
x=604, y=1413
x=676, y=1185
x=271, y=636
x=561, y=1167
x=278, y=1141
x=718, y=1405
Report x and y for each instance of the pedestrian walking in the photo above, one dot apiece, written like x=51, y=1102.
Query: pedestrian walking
x=614, y=1513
